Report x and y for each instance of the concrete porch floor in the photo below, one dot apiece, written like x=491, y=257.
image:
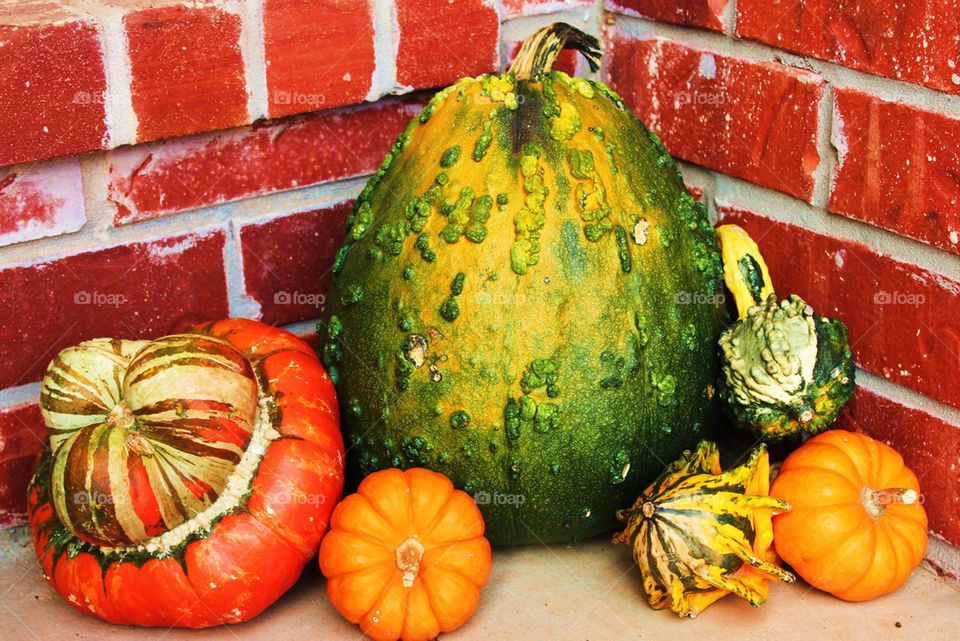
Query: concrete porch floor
x=589, y=592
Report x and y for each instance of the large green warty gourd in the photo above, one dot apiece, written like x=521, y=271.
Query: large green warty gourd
x=528, y=301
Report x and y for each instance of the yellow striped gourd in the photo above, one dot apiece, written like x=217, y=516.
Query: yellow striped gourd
x=699, y=533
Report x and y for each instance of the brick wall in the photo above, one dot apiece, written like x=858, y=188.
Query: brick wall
x=163, y=163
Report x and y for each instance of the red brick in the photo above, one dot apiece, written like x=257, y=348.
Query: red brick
x=568, y=61
x=913, y=40
x=753, y=120
x=899, y=168
x=901, y=319
x=696, y=13
x=514, y=8
x=287, y=261
x=319, y=54
x=149, y=181
x=442, y=41
x=40, y=200
x=929, y=445
x=22, y=435
x=131, y=291
x=187, y=71
x=52, y=94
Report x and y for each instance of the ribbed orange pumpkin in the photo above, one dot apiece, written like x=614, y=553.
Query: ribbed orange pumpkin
x=406, y=556
x=189, y=479
x=857, y=529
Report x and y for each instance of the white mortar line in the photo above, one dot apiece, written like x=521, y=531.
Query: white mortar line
x=201, y=221
x=386, y=44
x=823, y=174
x=704, y=179
x=883, y=88
x=588, y=18
x=14, y=396
x=253, y=50
x=907, y=397
x=121, y=119
x=241, y=304
x=729, y=18
x=786, y=209
x=94, y=170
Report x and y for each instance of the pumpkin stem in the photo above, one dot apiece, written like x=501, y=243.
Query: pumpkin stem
x=876, y=501
x=540, y=50
x=123, y=419
x=409, y=554
x=121, y=416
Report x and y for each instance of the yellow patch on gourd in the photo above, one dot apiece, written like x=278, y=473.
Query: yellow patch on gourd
x=528, y=222
x=564, y=125
x=501, y=89
x=581, y=85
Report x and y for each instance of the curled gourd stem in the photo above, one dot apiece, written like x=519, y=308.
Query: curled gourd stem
x=744, y=272
x=540, y=51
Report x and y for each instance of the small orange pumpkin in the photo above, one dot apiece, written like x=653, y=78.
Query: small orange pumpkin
x=857, y=529
x=406, y=557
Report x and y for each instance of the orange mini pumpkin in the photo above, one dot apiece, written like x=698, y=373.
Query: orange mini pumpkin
x=406, y=557
x=857, y=529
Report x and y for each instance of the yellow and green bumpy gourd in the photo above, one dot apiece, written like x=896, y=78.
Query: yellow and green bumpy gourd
x=699, y=534
x=527, y=301
x=786, y=369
